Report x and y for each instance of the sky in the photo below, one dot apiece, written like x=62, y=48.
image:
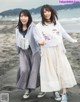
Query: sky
x=25, y=4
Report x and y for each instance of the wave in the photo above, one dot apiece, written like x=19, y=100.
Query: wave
x=70, y=19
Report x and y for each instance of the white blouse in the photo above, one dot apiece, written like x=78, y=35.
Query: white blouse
x=21, y=41
x=52, y=34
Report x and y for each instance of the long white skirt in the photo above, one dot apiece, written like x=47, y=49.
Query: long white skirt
x=55, y=70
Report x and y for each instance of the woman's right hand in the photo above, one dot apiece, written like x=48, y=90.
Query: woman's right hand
x=42, y=42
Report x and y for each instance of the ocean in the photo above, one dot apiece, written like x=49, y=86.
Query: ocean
x=70, y=19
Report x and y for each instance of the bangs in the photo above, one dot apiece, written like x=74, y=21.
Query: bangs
x=47, y=9
x=24, y=14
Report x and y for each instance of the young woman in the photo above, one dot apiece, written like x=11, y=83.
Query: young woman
x=55, y=70
x=27, y=77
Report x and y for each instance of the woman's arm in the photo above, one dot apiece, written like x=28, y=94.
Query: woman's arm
x=65, y=34
x=18, y=48
x=16, y=35
x=38, y=36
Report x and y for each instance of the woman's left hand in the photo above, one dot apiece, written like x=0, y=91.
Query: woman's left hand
x=74, y=41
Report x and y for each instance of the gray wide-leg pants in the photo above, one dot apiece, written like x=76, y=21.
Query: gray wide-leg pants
x=28, y=72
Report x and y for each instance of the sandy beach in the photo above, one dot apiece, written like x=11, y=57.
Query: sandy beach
x=9, y=57
x=8, y=54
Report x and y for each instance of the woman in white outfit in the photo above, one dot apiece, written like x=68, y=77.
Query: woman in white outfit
x=55, y=70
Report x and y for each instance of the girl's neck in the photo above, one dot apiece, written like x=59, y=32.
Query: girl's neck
x=48, y=22
x=24, y=27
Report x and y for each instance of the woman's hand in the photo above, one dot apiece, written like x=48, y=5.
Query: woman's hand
x=42, y=42
x=74, y=41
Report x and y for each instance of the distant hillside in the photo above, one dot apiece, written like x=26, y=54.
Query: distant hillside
x=15, y=12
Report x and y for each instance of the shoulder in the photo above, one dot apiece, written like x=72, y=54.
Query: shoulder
x=58, y=23
x=16, y=29
x=39, y=25
x=32, y=24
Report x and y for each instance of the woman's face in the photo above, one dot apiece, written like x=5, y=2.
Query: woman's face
x=24, y=19
x=47, y=14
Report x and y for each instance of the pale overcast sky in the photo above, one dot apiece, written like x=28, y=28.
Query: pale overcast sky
x=26, y=4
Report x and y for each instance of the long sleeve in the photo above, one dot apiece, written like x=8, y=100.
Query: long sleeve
x=65, y=34
x=16, y=35
x=37, y=35
x=17, y=47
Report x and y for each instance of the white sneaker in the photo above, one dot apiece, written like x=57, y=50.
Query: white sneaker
x=26, y=94
x=57, y=96
x=64, y=98
x=41, y=94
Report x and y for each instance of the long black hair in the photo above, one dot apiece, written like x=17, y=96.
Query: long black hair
x=53, y=14
x=25, y=13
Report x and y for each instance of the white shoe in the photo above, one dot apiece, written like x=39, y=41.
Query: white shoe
x=64, y=98
x=57, y=96
x=41, y=94
x=26, y=94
